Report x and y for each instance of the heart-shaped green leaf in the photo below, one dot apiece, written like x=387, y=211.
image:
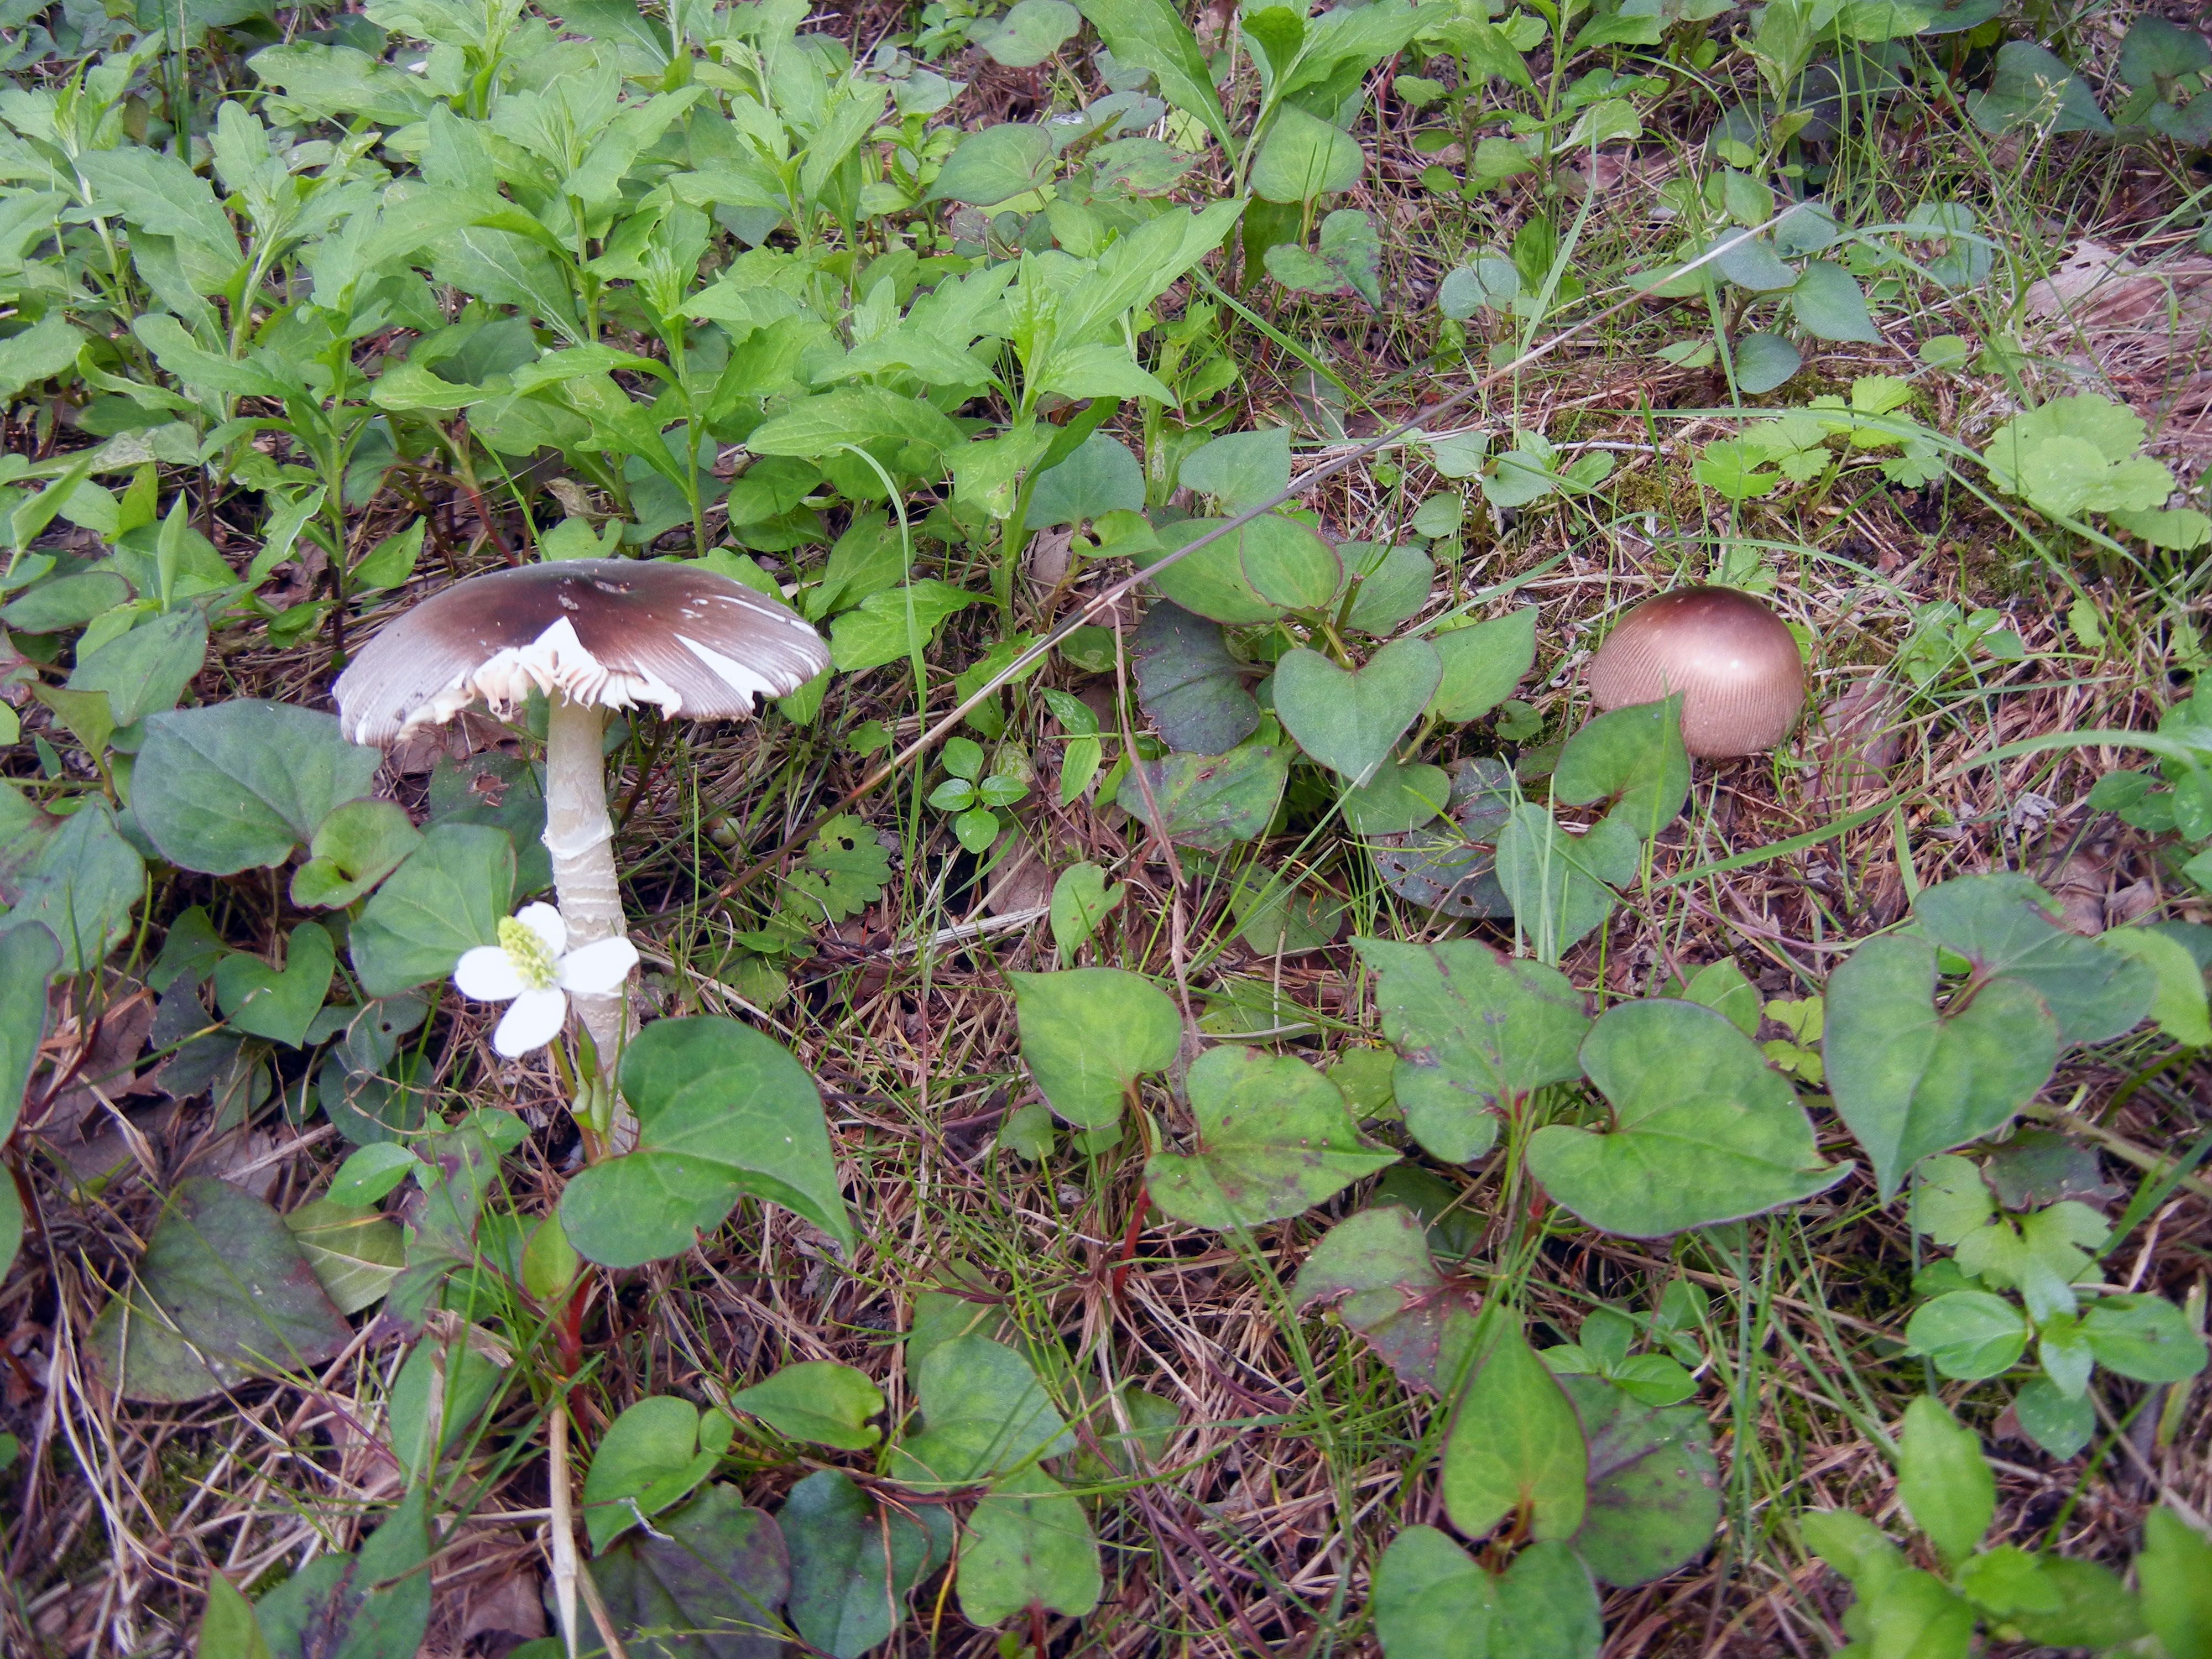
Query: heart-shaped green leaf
x=1910, y=1080
x=1515, y=1445
x=1089, y=1034
x=258, y=1001
x=1348, y=719
x=722, y=1111
x=1654, y=1488
x=1632, y=757
x=983, y=1413
x=1376, y=1269
x=1706, y=1132
x=237, y=784
x=1189, y=685
x=1561, y=884
x=852, y=1564
x=1210, y=802
x=1029, y=1545
x=1478, y=1034
x=2002, y=924
x=1483, y=664
x=1253, y=575
x=1433, y=1601
x=818, y=1400
x=1398, y=798
x=649, y=1460
x=448, y=896
x=358, y=846
x=1275, y=1139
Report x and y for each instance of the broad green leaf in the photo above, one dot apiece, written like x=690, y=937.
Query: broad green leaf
x=239, y=784
x=1763, y=362
x=2174, y=1569
x=222, y=1294
x=1375, y=1270
x=500, y=267
x=1240, y=470
x=815, y=427
x=2002, y=924
x=1031, y=32
x=1101, y=476
x=145, y=671
x=1910, y=1080
x=1153, y=35
x=1655, y=1486
x=358, y=846
x=1210, y=802
x=1398, y=798
x=1633, y=758
x=262, y=1002
x=817, y=1400
x=1547, y=1608
x=1431, y=1601
x=1515, y=1446
x=2060, y=1425
x=356, y=1251
x=1477, y=1033
x=1348, y=261
x=852, y=1565
x=2154, y=49
x=1029, y=1545
x=1088, y=1033
x=29, y=957
x=891, y=625
x=994, y=164
x=1483, y=664
x=1830, y=306
x=648, y=1460
x=1188, y=683
x=1253, y=575
x=1273, y=1139
x=227, y=1627
x=1944, y=1483
x=47, y=348
x=1560, y=884
x=984, y=1415
x=1705, y=1131
x=80, y=887
x=2144, y=1337
x=1350, y=719
x=715, y=1566
x=1277, y=917
x=447, y=898
x=1968, y=1334
x=2094, y=1609
x=1080, y=901
x=1393, y=584
x=370, y=1604
x=2033, y=88
x=723, y=1111
x=1304, y=157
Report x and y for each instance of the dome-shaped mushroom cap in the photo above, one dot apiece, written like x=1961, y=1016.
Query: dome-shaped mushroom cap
x=1735, y=664
x=610, y=632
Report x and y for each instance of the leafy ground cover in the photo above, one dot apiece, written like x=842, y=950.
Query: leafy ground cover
x=1218, y=1110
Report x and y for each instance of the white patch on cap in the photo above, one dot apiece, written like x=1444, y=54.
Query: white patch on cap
x=745, y=681
x=556, y=661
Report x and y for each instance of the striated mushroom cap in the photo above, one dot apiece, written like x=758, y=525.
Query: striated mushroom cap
x=1736, y=665
x=608, y=632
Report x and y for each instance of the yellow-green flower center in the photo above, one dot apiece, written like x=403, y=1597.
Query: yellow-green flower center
x=525, y=948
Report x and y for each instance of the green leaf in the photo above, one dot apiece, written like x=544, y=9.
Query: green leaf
x=358, y=846
x=1240, y=470
x=1304, y=157
x=1392, y=583
x=145, y=671
x=227, y=1627
x=2002, y=924
x=995, y=164
x=1349, y=720
x=1706, y=1131
x=1399, y=798
x=29, y=957
x=1632, y=757
x=2060, y=1425
x=648, y=1460
x=1945, y=1484
x=713, y=1566
x=1374, y=1268
x=1431, y=1601
x=1655, y=1487
x=1188, y=683
x=2175, y=1571
x=1253, y=575
x=2033, y=88
x=371, y=1604
x=47, y=348
x=1273, y=1139
x=1277, y=917
x=222, y=1294
x=1348, y=261
x=816, y=427
x=880, y=631
x=1477, y=1033
x=1829, y=305
x=817, y=1400
x=1210, y=802
x=1547, y=1608
x=1029, y=1545
x=2155, y=49
x=262, y=1002
x=1968, y=1334
x=355, y=1252
x=1031, y=32
x=448, y=898
x=2094, y=1608
x=984, y=1415
x=1559, y=885
x=1515, y=1446
x=1763, y=362
x=1483, y=664
x=1101, y=476
x=80, y=887
x=723, y=1111
x=391, y=560
x=1153, y=35
x=238, y=784
x=1089, y=1034
x=1909, y=1080
x=852, y=1564
x=1080, y=901
x=2144, y=1337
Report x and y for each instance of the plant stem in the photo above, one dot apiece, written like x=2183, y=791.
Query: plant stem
x=581, y=841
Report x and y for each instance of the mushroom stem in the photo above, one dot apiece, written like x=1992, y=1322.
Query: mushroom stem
x=580, y=838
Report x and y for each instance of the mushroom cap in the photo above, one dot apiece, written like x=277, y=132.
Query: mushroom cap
x=608, y=632
x=1736, y=665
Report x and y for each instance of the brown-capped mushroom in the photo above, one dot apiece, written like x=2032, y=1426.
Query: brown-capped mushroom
x=591, y=634
x=1733, y=660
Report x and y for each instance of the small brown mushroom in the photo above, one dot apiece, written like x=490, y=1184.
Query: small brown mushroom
x=1735, y=662
x=591, y=634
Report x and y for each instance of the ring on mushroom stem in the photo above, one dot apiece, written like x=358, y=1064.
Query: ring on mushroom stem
x=591, y=635
x=1735, y=662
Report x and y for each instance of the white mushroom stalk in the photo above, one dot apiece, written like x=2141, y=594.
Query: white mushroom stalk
x=589, y=635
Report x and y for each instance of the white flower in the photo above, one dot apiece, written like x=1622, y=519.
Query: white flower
x=532, y=967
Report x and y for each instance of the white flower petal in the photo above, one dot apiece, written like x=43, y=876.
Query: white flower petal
x=534, y=1021
x=597, y=967
x=488, y=973
x=544, y=921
